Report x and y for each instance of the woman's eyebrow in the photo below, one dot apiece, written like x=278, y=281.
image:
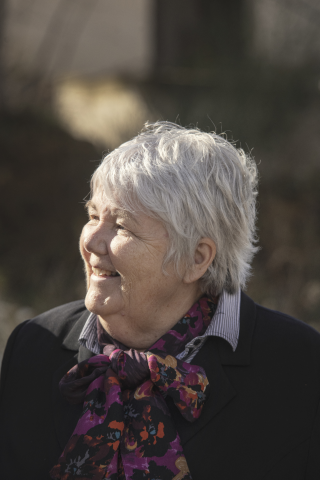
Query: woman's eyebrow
x=119, y=212
x=91, y=205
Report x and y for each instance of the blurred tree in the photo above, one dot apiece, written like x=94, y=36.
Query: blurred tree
x=44, y=175
x=199, y=33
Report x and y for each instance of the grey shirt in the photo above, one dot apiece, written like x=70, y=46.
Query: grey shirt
x=225, y=323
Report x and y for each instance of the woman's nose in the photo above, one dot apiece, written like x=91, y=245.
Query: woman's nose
x=94, y=240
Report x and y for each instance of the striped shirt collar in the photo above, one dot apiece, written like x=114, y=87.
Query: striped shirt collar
x=225, y=324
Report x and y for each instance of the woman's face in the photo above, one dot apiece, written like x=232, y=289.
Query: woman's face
x=123, y=254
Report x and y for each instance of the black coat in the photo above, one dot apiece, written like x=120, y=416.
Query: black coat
x=261, y=420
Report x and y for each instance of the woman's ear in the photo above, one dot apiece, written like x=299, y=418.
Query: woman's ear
x=203, y=257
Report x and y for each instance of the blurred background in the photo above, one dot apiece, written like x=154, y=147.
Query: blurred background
x=79, y=77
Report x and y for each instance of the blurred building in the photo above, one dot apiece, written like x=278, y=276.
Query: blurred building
x=131, y=37
x=80, y=37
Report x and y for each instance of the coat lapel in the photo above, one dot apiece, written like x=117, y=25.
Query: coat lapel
x=66, y=415
x=220, y=391
x=213, y=356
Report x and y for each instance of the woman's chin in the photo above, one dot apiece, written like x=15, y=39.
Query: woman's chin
x=102, y=305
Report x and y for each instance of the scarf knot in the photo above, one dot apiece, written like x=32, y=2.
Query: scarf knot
x=130, y=366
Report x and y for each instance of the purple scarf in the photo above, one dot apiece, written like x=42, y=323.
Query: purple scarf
x=125, y=430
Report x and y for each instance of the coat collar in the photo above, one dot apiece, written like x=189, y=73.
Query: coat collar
x=71, y=342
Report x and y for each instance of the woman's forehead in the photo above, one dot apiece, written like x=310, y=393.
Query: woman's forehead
x=100, y=203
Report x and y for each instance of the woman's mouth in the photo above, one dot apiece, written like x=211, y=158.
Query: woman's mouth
x=99, y=272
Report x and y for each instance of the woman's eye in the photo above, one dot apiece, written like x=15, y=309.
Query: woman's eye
x=119, y=227
x=95, y=218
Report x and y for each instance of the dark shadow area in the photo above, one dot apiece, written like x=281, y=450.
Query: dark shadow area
x=45, y=178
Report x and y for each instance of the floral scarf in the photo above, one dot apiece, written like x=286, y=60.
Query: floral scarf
x=125, y=430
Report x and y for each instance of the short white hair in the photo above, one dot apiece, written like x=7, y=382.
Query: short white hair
x=199, y=185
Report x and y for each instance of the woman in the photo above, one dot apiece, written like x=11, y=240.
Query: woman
x=148, y=384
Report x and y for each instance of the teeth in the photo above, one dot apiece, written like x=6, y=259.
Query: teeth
x=100, y=272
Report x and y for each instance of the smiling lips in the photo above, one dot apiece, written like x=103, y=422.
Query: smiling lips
x=99, y=272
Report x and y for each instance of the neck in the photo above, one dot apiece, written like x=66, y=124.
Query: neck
x=142, y=332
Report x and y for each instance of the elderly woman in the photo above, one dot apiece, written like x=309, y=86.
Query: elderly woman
x=168, y=371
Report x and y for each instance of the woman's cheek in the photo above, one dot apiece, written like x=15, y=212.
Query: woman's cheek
x=121, y=247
